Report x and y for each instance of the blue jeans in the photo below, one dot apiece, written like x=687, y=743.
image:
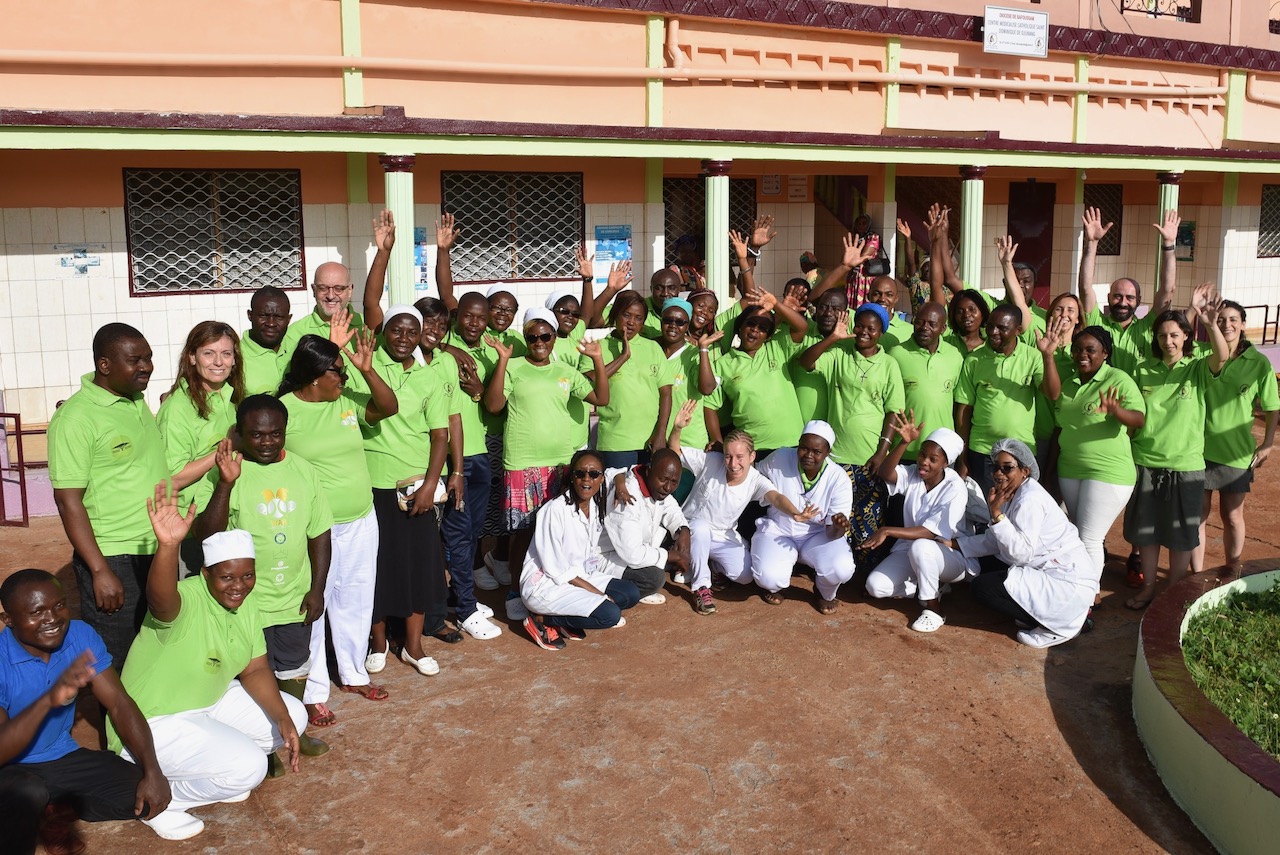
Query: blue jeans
x=623, y=459
x=461, y=532
x=625, y=595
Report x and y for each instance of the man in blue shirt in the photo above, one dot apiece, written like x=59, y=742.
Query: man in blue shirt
x=45, y=659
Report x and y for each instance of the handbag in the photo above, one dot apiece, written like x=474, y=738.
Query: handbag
x=406, y=487
x=877, y=266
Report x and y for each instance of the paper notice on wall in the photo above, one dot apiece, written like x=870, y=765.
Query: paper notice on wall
x=421, y=259
x=613, y=245
x=797, y=188
x=75, y=259
x=770, y=185
x=1017, y=32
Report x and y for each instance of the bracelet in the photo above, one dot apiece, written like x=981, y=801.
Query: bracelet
x=1169, y=247
x=997, y=517
x=886, y=440
x=587, y=278
x=702, y=350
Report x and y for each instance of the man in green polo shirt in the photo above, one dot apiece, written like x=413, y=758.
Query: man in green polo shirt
x=930, y=371
x=883, y=291
x=996, y=395
x=262, y=345
x=332, y=287
x=105, y=457
x=1131, y=334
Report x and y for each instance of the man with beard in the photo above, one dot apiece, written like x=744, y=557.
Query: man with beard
x=930, y=370
x=642, y=512
x=332, y=287
x=105, y=456
x=262, y=345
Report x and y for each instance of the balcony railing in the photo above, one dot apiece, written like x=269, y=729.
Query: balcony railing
x=1179, y=10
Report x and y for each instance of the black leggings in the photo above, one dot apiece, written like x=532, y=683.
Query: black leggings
x=989, y=589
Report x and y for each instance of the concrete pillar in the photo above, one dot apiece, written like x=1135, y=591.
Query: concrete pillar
x=971, y=196
x=398, y=175
x=1168, y=202
x=716, y=236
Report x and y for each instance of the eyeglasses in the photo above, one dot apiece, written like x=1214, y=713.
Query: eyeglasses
x=341, y=372
x=587, y=474
x=332, y=289
x=1006, y=469
x=569, y=313
x=675, y=322
x=544, y=338
x=501, y=310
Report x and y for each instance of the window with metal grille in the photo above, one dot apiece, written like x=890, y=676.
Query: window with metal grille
x=1109, y=200
x=684, y=206
x=196, y=230
x=1269, y=222
x=515, y=225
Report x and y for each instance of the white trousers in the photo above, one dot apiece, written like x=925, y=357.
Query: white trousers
x=919, y=570
x=726, y=548
x=1094, y=506
x=774, y=555
x=220, y=752
x=348, y=608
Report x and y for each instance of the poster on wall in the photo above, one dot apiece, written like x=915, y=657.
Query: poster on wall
x=613, y=244
x=421, y=259
x=1185, y=243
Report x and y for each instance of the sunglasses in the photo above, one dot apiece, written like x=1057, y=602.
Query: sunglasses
x=587, y=474
x=569, y=313
x=1006, y=468
x=544, y=338
x=675, y=322
x=341, y=372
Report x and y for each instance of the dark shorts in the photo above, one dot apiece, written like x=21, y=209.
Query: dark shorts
x=288, y=649
x=1164, y=509
x=1220, y=478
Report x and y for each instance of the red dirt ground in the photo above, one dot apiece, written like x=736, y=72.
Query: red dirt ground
x=762, y=728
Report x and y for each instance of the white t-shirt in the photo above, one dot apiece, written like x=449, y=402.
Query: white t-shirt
x=712, y=499
x=940, y=510
x=832, y=494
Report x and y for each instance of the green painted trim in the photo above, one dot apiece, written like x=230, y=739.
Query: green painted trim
x=98, y=139
x=357, y=178
x=1230, y=189
x=1080, y=104
x=352, y=78
x=653, y=169
x=891, y=184
x=892, y=58
x=655, y=32
x=1233, y=128
x=1078, y=198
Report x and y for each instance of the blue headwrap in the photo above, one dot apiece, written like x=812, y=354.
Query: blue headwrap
x=880, y=312
x=679, y=304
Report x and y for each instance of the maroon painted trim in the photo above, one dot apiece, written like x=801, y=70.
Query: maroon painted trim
x=1162, y=647
x=397, y=162
x=948, y=26
x=973, y=173
x=716, y=167
x=394, y=121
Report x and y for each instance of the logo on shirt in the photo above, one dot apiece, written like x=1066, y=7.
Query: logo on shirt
x=948, y=384
x=120, y=447
x=1184, y=392
x=349, y=419
x=1090, y=408
x=276, y=503
x=1244, y=389
x=565, y=384
x=653, y=371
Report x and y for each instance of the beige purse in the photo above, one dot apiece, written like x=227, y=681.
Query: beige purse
x=406, y=487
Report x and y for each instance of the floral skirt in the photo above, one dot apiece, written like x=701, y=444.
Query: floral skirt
x=526, y=490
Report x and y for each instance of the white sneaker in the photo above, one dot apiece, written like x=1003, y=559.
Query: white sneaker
x=654, y=599
x=484, y=579
x=174, y=825
x=515, y=608
x=501, y=570
x=375, y=662
x=929, y=621
x=1040, y=637
x=478, y=627
x=622, y=621
x=484, y=610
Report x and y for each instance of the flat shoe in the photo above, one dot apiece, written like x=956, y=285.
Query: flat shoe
x=426, y=666
x=369, y=692
x=448, y=636
x=375, y=662
x=478, y=627
x=929, y=621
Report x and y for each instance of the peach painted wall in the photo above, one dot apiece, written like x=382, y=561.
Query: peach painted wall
x=604, y=180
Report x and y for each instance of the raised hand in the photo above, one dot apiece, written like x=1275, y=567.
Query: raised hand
x=619, y=275
x=762, y=231
x=447, y=231
x=362, y=357
x=684, y=416
x=762, y=298
x=904, y=229
x=340, y=329
x=1205, y=299
x=503, y=350
x=1061, y=329
x=384, y=231
x=1169, y=228
x=904, y=425
x=705, y=340
x=739, y=244
x=167, y=520
x=1109, y=401
x=586, y=265
x=1093, y=227
x=855, y=251
x=591, y=349
x=1005, y=250
x=227, y=459
x=998, y=496
x=841, y=330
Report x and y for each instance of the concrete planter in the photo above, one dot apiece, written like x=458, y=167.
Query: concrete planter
x=1227, y=785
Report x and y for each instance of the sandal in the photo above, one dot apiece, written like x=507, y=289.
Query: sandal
x=826, y=607
x=319, y=715
x=773, y=598
x=369, y=692
x=1137, y=604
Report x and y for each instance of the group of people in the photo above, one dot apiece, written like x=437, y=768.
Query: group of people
x=325, y=485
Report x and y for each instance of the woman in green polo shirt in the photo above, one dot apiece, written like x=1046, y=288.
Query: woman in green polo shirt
x=631, y=424
x=1097, y=408
x=1169, y=450
x=325, y=416
x=685, y=356
x=1230, y=454
x=197, y=414
x=967, y=314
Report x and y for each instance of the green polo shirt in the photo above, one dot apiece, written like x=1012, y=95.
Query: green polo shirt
x=566, y=353
x=313, y=324
x=1131, y=344
x=759, y=392
x=111, y=448
x=539, y=431
x=1229, y=397
x=1002, y=391
x=485, y=358
x=1094, y=446
x=1039, y=319
x=283, y=506
x=680, y=372
x=810, y=386
x=958, y=343
x=928, y=386
x=446, y=368
x=327, y=435
x=188, y=437
x=1173, y=437
x=899, y=331
x=263, y=367
x=399, y=447
x=652, y=328
x=628, y=420
x=188, y=663
x=860, y=391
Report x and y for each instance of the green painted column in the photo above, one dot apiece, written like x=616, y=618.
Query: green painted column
x=398, y=174
x=971, y=201
x=1168, y=202
x=716, y=237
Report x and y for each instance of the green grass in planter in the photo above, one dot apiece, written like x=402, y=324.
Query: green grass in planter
x=1233, y=654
